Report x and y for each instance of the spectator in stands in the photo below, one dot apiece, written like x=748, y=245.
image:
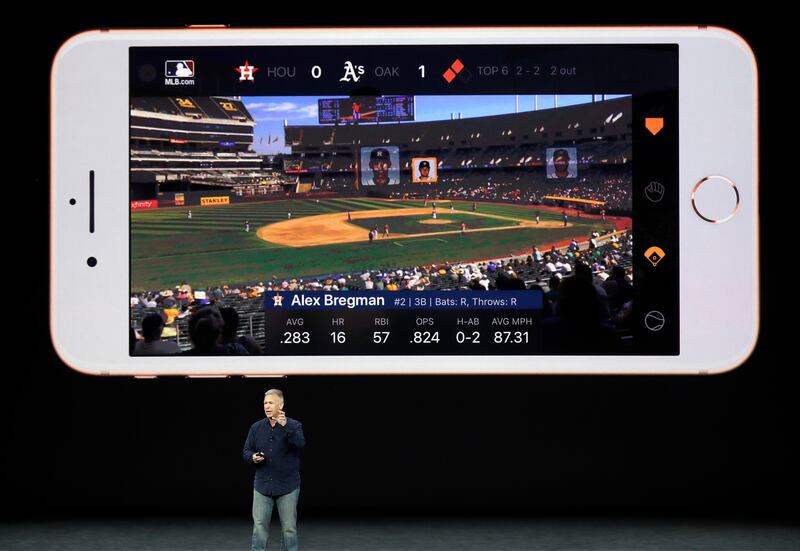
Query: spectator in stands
x=132, y=341
x=166, y=299
x=573, y=246
x=624, y=288
x=584, y=271
x=152, y=345
x=229, y=332
x=185, y=293
x=578, y=327
x=205, y=330
x=172, y=313
x=506, y=282
x=476, y=285
x=553, y=283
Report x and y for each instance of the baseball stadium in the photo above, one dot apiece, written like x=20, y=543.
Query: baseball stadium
x=502, y=200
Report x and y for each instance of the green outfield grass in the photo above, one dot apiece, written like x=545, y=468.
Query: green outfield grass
x=212, y=248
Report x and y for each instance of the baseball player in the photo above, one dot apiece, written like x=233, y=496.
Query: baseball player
x=380, y=162
x=424, y=169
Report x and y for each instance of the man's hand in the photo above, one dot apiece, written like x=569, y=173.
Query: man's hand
x=281, y=418
x=258, y=457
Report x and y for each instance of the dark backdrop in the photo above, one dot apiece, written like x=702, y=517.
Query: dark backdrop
x=73, y=444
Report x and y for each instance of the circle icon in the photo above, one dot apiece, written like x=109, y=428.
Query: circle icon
x=147, y=73
x=654, y=320
x=715, y=199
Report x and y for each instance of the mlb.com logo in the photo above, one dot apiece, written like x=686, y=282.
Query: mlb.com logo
x=179, y=71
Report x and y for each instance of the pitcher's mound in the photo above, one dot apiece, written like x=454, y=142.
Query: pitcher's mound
x=437, y=221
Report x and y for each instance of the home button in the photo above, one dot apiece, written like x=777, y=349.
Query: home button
x=715, y=199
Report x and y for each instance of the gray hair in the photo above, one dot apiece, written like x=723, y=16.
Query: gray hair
x=276, y=392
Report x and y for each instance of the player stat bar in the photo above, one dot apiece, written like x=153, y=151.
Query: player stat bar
x=396, y=322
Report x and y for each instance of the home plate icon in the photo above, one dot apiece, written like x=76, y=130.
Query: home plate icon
x=654, y=124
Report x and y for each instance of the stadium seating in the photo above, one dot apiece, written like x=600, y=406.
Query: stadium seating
x=251, y=310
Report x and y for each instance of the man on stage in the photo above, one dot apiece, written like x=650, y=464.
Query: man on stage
x=273, y=446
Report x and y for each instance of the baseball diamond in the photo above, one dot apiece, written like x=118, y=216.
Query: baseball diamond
x=213, y=247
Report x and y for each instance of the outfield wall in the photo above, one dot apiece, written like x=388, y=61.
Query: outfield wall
x=215, y=198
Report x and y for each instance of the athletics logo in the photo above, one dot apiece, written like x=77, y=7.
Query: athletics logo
x=350, y=71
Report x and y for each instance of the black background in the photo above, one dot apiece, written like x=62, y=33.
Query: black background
x=73, y=444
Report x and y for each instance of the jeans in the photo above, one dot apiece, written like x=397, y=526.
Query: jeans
x=287, y=513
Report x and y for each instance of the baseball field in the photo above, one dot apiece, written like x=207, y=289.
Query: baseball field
x=330, y=236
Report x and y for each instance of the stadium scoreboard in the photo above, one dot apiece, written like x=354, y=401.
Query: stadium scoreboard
x=359, y=110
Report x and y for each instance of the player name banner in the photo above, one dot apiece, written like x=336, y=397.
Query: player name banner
x=206, y=201
x=144, y=205
x=407, y=323
x=393, y=300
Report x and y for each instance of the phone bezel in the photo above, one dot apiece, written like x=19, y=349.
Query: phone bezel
x=718, y=117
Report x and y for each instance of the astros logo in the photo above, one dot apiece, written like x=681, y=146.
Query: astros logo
x=277, y=300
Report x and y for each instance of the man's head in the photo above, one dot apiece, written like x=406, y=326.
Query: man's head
x=152, y=326
x=424, y=169
x=583, y=271
x=205, y=327
x=561, y=162
x=380, y=162
x=230, y=318
x=273, y=402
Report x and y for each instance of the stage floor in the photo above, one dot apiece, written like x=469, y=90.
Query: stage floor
x=415, y=534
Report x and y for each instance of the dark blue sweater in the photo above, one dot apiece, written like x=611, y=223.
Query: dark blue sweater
x=279, y=473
